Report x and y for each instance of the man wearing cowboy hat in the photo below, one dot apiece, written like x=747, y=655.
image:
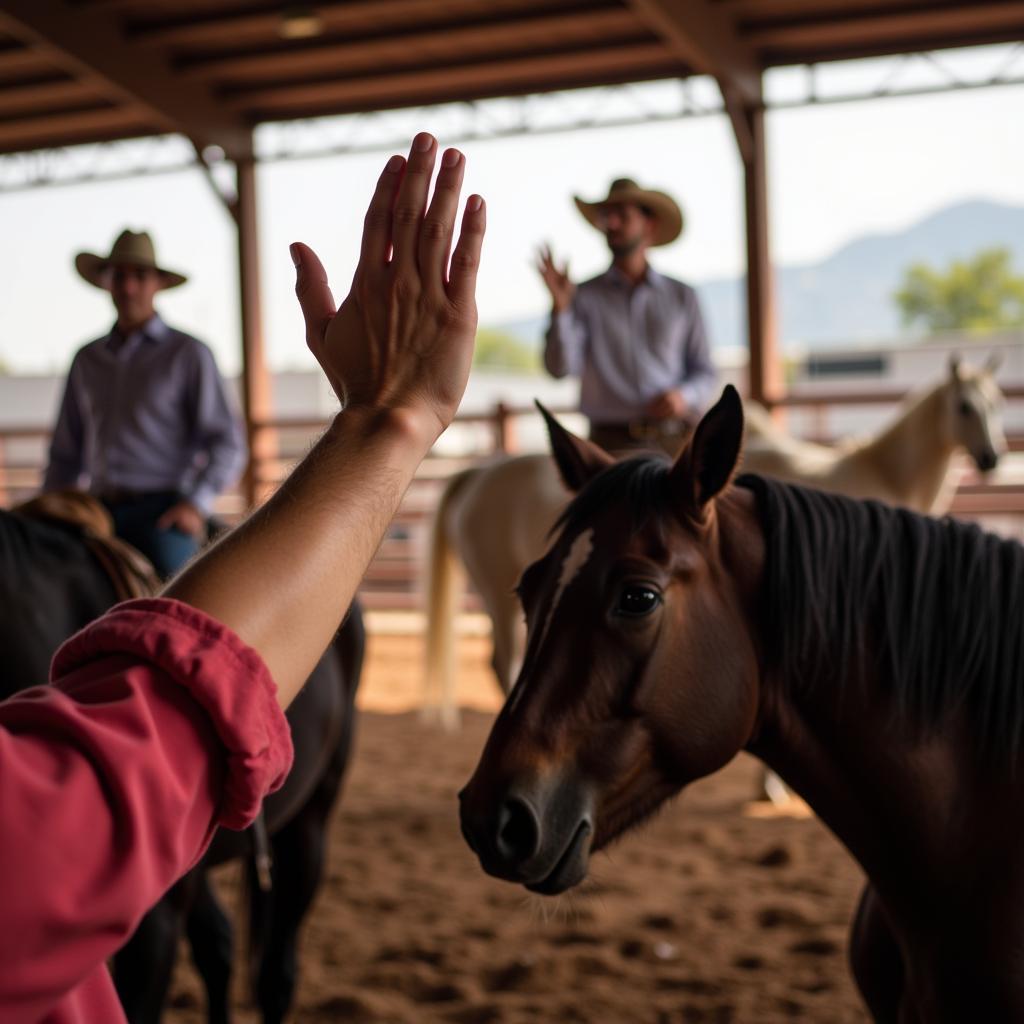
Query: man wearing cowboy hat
x=634, y=337
x=145, y=418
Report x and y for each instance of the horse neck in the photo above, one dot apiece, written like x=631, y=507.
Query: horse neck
x=827, y=747
x=913, y=453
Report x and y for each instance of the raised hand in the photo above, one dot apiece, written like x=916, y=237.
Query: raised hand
x=401, y=343
x=556, y=278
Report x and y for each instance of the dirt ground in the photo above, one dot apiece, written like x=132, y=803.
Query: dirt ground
x=706, y=915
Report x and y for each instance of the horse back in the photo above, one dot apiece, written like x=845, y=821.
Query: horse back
x=51, y=585
x=321, y=720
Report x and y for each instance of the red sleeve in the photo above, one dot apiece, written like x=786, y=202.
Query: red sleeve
x=160, y=724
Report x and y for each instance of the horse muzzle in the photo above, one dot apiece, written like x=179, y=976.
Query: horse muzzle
x=986, y=460
x=537, y=834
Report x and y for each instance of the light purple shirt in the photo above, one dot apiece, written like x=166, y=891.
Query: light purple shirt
x=628, y=345
x=147, y=412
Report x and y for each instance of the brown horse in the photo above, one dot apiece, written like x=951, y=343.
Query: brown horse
x=871, y=656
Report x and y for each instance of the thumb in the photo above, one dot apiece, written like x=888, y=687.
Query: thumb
x=313, y=292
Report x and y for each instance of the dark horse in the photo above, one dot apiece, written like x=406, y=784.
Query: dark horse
x=872, y=657
x=51, y=584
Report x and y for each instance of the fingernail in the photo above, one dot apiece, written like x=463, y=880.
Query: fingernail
x=451, y=158
x=423, y=142
x=395, y=164
x=293, y=249
x=473, y=203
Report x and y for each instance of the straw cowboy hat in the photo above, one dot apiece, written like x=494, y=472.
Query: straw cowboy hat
x=131, y=249
x=668, y=218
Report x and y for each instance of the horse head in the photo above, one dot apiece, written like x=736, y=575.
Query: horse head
x=973, y=412
x=640, y=673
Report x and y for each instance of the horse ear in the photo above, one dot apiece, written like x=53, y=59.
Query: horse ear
x=955, y=366
x=994, y=361
x=577, y=460
x=708, y=462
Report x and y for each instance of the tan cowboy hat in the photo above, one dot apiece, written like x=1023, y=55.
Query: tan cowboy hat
x=668, y=218
x=131, y=249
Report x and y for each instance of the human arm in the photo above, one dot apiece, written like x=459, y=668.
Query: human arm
x=565, y=337
x=67, y=447
x=112, y=780
x=699, y=382
x=698, y=376
x=159, y=726
x=397, y=352
x=220, y=437
x=217, y=429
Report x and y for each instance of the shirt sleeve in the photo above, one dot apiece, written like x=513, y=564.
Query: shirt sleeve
x=218, y=431
x=67, y=448
x=700, y=378
x=565, y=341
x=160, y=724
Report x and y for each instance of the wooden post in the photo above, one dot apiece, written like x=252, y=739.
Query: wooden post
x=256, y=384
x=765, y=368
x=505, y=438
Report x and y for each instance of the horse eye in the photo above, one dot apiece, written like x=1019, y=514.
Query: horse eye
x=635, y=601
x=965, y=408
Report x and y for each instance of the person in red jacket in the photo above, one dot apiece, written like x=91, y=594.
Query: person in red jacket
x=165, y=718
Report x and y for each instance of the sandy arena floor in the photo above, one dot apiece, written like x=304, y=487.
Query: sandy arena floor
x=706, y=915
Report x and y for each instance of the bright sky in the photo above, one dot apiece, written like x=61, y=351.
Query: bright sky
x=836, y=173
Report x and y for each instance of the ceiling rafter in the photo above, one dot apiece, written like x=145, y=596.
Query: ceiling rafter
x=468, y=40
x=640, y=61
x=73, y=127
x=707, y=41
x=916, y=27
x=349, y=15
x=92, y=44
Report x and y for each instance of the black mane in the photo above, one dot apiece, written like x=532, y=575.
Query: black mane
x=934, y=607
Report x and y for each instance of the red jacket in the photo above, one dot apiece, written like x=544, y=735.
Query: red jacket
x=160, y=725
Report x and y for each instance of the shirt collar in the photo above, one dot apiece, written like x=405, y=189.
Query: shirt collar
x=154, y=329
x=651, y=279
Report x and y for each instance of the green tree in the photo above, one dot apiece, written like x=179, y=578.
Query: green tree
x=496, y=350
x=979, y=294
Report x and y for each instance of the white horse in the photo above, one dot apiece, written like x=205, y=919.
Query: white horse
x=908, y=463
x=493, y=520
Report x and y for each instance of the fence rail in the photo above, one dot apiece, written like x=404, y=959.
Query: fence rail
x=393, y=579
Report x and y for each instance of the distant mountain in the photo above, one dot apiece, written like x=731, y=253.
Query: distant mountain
x=848, y=296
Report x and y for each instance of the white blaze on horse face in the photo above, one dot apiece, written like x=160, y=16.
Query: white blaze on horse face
x=579, y=554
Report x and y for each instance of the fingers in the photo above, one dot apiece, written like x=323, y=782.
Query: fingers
x=466, y=257
x=314, y=293
x=407, y=216
x=439, y=223
x=376, y=246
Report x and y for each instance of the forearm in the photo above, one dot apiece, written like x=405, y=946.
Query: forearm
x=227, y=455
x=284, y=579
x=563, y=344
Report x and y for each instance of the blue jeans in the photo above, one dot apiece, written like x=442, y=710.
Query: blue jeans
x=135, y=521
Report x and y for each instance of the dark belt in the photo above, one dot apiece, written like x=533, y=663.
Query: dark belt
x=126, y=496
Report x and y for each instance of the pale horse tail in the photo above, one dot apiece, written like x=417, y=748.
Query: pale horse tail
x=446, y=583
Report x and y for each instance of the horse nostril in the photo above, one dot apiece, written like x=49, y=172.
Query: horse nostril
x=518, y=836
